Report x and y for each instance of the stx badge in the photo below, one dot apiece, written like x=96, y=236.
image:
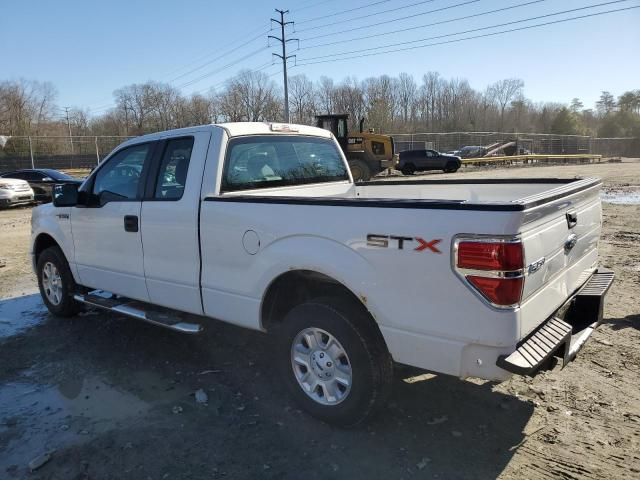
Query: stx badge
x=389, y=241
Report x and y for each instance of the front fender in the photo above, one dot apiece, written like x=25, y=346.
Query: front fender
x=56, y=223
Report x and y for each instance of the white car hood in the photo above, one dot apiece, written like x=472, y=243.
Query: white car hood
x=14, y=182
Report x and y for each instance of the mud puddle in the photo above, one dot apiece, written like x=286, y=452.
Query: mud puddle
x=622, y=196
x=20, y=313
x=41, y=418
x=36, y=419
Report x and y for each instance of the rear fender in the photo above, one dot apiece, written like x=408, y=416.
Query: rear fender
x=321, y=255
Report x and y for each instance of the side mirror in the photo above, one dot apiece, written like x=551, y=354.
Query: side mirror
x=65, y=195
x=47, y=179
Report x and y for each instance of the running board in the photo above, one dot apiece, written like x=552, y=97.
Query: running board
x=162, y=317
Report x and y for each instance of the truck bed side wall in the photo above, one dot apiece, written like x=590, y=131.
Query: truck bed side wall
x=407, y=291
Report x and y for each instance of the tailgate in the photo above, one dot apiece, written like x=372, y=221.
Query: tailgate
x=561, y=251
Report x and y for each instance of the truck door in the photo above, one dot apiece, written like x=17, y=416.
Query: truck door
x=169, y=217
x=106, y=230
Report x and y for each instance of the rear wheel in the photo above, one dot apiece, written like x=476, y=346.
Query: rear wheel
x=360, y=171
x=56, y=283
x=334, y=361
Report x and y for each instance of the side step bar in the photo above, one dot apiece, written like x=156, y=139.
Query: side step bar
x=162, y=317
x=581, y=318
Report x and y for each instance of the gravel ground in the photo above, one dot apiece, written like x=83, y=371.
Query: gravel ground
x=102, y=396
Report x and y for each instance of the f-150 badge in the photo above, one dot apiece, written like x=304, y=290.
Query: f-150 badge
x=390, y=241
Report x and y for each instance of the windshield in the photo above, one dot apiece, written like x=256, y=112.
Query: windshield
x=264, y=161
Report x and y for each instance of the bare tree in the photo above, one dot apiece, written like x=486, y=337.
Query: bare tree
x=302, y=99
x=503, y=91
x=407, y=90
x=325, y=93
x=257, y=94
x=26, y=107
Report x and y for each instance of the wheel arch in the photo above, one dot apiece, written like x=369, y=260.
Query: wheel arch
x=47, y=239
x=297, y=286
x=41, y=243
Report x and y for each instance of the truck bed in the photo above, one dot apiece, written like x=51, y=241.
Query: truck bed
x=484, y=194
x=472, y=191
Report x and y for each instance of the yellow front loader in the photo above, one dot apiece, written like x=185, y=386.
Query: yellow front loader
x=368, y=153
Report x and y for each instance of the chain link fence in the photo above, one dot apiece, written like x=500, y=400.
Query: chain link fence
x=55, y=152
x=536, y=143
x=88, y=151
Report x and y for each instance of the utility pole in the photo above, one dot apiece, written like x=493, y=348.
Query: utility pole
x=283, y=40
x=66, y=111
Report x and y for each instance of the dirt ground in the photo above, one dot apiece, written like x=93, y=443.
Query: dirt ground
x=107, y=397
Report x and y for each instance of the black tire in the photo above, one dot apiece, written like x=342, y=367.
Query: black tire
x=360, y=171
x=408, y=169
x=67, y=306
x=371, y=366
x=451, y=167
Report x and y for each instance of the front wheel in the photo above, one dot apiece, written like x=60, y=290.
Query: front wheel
x=360, y=171
x=333, y=360
x=56, y=283
x=451, y=167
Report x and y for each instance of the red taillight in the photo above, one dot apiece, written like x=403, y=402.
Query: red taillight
x=485, y=263
x=499, y=291
x=490, y=256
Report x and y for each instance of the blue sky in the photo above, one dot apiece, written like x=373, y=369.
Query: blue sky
x=88, y=49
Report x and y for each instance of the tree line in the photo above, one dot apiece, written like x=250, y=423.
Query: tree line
x=389, y=104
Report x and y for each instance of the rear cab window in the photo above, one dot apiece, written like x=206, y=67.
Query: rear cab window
x=267, y=161
x=172, y=177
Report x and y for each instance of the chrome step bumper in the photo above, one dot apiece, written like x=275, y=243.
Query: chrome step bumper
x=162, y=317
x=564, y=336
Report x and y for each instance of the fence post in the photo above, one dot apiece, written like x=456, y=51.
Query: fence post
x=31, y=153
x=97, y=151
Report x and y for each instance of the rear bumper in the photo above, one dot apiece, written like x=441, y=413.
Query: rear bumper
x=565, y=332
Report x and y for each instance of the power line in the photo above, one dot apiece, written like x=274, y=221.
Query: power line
x=200, y=57
x=312, y=6
x=472, y=37
x=217, y=50
x=219, y=84
x=215, y=72
x=402, y=30
x=361, y=17
x=367, y=5
x=253, y=39
x=392, y=20
x=504, y=24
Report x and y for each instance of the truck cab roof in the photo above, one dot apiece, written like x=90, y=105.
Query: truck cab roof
x=237, y=129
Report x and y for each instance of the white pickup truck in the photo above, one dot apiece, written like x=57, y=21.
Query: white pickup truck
x=262, y=226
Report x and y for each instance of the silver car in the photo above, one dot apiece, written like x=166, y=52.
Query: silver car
x=15, y=192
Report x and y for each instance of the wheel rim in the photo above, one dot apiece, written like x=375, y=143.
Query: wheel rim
x=321, y=366
x=52, y=283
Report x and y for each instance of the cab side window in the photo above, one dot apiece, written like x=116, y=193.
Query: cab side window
x=172, y=176
x=120, y=177
x=377, y=148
